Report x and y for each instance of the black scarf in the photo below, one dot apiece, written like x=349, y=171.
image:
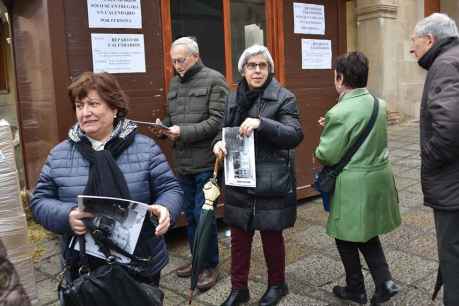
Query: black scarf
x=191, y=72
x=246, y=98
x=105, y=177
x=441, y=46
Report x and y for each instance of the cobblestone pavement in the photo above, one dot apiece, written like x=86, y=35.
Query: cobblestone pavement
x=313, y=264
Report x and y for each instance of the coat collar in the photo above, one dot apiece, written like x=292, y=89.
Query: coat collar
x=354, y=94
x=271, y=92
x=438, y=48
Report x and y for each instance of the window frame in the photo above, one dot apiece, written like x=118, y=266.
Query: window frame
x=274, y=33
x=4, y=84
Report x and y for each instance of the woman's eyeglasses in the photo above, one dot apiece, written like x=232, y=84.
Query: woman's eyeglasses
x=253, y=66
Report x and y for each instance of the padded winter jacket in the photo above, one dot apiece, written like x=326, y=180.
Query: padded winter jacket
x=148, y=176
x=440, y=126
x=195, y=103
x=279, y=133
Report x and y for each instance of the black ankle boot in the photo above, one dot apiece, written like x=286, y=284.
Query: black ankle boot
x=345, y=294
x=236, y=297
x=273, y=295
x=385, y=292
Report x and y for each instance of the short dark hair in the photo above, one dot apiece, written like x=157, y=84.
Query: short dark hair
x=106, y=86
x=353, y=66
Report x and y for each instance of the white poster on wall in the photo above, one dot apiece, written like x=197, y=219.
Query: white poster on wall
x=114, y=14
x=118, y=53
x=316, y=54
x=308, y=18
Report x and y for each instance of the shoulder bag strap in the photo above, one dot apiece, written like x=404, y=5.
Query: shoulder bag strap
x=351, y=151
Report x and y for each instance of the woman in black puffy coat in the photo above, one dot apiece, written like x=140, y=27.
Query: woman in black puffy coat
x=262, y=106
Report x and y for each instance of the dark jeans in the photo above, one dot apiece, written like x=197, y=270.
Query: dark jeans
x=446, y=225
x=194, y=199
x=241, y=248
x=374, y=256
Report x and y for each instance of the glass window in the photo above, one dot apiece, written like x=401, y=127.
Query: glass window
x=248, y=27
x=203, y=20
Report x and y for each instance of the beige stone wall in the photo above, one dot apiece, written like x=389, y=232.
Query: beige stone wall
x=351, y=26
x=376, y=24
x=411, y=76
x=381, y=29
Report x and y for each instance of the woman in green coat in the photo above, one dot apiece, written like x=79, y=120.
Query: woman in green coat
x=364, y=204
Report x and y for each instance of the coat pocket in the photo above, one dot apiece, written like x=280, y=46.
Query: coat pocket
x=273, y=178
x=199, y=92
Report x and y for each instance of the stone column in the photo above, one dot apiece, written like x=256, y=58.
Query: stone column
x=378, y=37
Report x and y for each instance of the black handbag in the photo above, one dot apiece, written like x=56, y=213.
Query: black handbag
x=325, y=180
x=112, y=283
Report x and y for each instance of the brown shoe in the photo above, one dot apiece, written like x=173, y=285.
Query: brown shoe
x=184, y=271
x=207, y=279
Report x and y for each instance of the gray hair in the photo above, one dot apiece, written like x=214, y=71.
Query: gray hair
x=188, y=43
x=252, y=51
x=437, y=24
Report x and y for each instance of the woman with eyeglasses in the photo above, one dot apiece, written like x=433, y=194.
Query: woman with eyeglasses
x=260, y=105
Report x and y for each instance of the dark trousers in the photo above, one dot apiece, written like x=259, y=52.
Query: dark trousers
x=374, y=256
x=194, y=199
x=241, y=248
x=446, y=224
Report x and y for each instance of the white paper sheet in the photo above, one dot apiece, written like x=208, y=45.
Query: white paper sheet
x=308, y=18
x=240, y=159
x=316, y=54
x=114, y=14
x=118, y=53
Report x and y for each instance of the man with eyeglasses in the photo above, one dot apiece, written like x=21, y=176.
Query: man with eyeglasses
x=435, y=44
x=195, y=104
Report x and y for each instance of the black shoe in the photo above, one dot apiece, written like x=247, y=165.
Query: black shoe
x=384, y=293
x=236, y=297
x=345, y=294
x=273, y=295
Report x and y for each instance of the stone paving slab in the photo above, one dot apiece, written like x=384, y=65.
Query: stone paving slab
x=409, y=268
x=403, y=183
x=410, y=200
x=315, y=270
x=313, y=266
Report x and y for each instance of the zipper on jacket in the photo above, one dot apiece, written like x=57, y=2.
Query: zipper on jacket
x=254, y=204
x=261, y=106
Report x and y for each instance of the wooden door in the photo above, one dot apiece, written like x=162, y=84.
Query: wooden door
x=145, y=90
x=314, y=89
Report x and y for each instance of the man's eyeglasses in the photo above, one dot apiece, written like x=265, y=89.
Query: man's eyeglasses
x=253, y=66
x=180, y=60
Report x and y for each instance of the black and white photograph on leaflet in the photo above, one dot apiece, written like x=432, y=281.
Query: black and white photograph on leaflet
x=120, y=219
x=240, y=161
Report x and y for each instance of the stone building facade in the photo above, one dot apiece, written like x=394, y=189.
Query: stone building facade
x=382, y=29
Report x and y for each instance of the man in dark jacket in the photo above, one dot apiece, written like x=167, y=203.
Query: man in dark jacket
x=195, y=101
x=435, y=44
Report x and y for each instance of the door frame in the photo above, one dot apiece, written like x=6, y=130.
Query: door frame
x=431, y=6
